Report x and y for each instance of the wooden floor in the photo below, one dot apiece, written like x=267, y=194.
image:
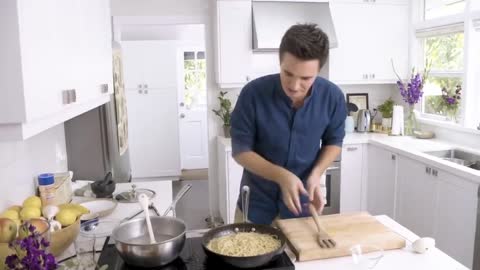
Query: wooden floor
x=197, y=174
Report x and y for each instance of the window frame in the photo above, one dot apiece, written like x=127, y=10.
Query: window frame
x=468, y=23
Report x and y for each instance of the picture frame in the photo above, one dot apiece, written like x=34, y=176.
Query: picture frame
x=359, y=99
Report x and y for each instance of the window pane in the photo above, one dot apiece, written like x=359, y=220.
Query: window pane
x=188, y=55
x=440, y=8
x=200, y=55
x=442, y=96
x=445, y=52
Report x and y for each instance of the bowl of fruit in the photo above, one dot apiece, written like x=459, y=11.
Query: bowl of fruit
x=60, y=225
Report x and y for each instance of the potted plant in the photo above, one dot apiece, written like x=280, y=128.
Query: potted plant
x=386, y=109
x=224, y=112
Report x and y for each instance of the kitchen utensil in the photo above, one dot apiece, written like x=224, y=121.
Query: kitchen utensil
x=98, y=208
x=349, y=124
x=324, y=240
x=250, y=261
x=363, y=121
x=105, y=187
x=366, y=256
x=180, y=195
x=170, y=237
x=143, y=200
x=420, y=134
x=352, y=107
x=131, y=196
x=347, y=229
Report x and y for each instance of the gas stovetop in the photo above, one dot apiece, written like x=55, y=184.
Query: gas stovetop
x=192, y=257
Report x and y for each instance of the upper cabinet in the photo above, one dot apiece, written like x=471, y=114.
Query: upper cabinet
x=233, y=27
x=57, y=63
x=370, y=35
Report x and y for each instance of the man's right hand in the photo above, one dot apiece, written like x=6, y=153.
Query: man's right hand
x=291, y=187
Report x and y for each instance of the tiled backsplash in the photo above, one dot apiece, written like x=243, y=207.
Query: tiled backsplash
x=21, y=161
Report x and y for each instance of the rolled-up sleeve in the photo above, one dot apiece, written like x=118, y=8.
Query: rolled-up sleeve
x=243, y=122
x=335, y=131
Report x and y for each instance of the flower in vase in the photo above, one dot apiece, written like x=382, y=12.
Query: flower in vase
x=451, y=102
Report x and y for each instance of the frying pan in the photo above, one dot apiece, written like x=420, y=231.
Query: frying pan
x=250, y=261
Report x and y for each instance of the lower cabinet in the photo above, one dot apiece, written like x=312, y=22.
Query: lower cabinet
x=352, y=178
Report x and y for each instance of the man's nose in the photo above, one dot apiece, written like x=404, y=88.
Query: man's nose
x=295, y=84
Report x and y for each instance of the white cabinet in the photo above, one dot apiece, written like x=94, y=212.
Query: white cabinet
x=229, y=178
x=381, y=181
x=370, y=35
x=352, y=178
x=154, y=149
x=435, y=203
x=57, y=63
x=147, y=64
x=233, y=43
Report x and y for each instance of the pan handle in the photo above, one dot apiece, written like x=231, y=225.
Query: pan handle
x=245, y=202
x=179, y=195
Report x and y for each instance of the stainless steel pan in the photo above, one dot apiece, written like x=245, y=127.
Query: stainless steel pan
x=131, y=238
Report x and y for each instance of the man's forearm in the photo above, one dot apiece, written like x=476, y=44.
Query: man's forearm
x=327, y=155
x=256, y=164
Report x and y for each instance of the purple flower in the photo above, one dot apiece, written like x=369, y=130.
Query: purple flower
x=413, y=92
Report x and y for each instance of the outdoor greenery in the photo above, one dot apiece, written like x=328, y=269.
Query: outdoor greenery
x=195, y=80
x=445, y=54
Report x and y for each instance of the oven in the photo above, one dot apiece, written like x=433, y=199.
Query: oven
x=332, y=188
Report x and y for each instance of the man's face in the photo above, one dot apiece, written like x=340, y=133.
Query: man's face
x=297, y=76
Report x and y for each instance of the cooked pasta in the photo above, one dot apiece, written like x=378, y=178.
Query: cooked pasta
x=244, y=244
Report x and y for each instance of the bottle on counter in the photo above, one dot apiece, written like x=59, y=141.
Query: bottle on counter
x=46, y=186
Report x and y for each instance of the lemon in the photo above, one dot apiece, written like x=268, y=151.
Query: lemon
x=33, y=201
x=79, y=209
x=15, y=208
x=30, y=212
x=66, y=217
x=11, y=214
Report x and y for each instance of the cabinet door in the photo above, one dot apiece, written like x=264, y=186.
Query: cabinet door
x=159, y=65
x=234, y=43
x=235, y=172
x=416, y=196
x=381, y=181
x=456, y=215
x=366, y=46
x=351, y=178
x=133, y=61
x=154, y=149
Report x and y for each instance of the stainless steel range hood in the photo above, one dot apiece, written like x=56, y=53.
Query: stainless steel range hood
x=271, y=19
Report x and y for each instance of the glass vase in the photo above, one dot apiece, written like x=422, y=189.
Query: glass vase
x=410, y=121
x=452, y=115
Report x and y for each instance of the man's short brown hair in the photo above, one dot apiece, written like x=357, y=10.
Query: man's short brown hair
x=306, y=42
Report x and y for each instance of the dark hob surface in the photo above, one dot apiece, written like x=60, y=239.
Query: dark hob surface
x=192, y=258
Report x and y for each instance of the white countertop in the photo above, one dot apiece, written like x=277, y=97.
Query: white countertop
x=408, y=146
x=399, y=259
x=415, y=148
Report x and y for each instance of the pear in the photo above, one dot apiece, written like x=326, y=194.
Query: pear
x=8, y=230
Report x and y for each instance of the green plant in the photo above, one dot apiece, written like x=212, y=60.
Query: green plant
x=386, y=109
x=225, y=110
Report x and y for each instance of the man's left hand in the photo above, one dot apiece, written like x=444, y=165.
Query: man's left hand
x=315, y=184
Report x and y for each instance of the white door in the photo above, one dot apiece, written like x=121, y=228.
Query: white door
x=381, y=181
x=416, y=196
x=351, y=182
x=153, y=133
x=192, y=108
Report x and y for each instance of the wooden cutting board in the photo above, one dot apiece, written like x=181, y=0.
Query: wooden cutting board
x=346, y=229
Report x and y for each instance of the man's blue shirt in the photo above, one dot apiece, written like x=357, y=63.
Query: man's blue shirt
x=265, y=121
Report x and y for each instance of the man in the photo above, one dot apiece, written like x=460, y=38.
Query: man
x=287, y=128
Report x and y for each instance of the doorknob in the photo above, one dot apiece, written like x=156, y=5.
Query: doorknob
x=182, y=104
x=182, y=115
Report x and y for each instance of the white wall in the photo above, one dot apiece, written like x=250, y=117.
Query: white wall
x=159, y=7
x=21, y=161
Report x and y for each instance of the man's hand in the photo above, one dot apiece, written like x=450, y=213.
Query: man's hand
x=291, y=187
x=315, y=184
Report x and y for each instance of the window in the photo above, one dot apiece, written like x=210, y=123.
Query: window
x=195, y=75
x=443, y=88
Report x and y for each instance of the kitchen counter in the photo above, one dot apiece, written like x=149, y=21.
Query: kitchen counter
x=393, y=259
x=414, y=148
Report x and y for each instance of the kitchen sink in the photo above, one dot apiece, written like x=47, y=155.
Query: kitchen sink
x=458, y=156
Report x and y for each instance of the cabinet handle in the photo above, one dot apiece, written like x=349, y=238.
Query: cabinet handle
x=394, y=157
x=145, y=86
x=365, y=76
x=247, y=78
x=104, y=88
x=351, y=149
x=435, y=173
x=182, y=104
x=65, y=99
x=182, y=115
x=428, y=170
x=140, y=91
x=373, y=73
x=73, y=95
x=146, y=91
x=139, y=86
